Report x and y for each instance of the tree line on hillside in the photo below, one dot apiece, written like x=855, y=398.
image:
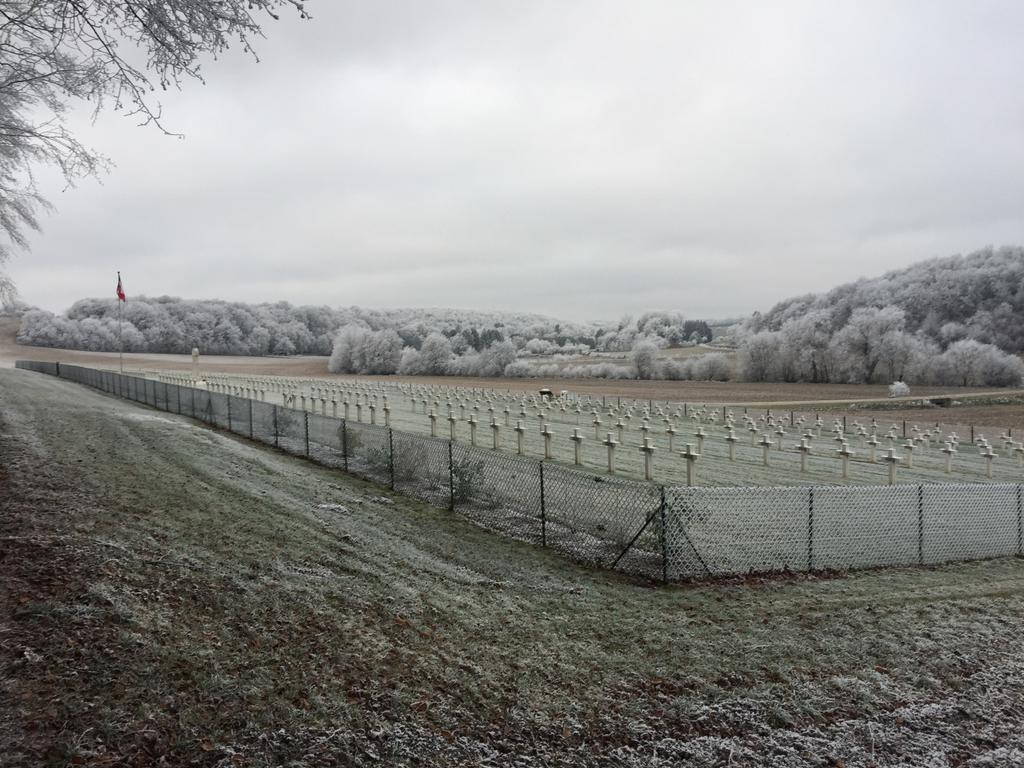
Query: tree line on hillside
x=949, y=321
x=954, y=321
x=173, y=325
x=873, y=346
x=358, y=349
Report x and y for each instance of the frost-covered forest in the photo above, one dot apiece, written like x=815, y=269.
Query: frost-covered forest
x=949, y=321
x=434, y=341
x=952, y=321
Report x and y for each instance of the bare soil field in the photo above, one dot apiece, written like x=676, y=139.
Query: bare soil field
x=824, y=396
x=173, y=595
x=300, y=365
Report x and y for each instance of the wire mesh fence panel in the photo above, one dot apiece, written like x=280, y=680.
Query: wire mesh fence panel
x=326, y=440
x=239, y=413
x=498, y=491
x=38, y=367
x=188, y=401
x=615, y=521
x=263, y=422
x=421, y=468
x=218, y=410
x=160, y=395
x=179, y=392
x=604, y=520
x=718, y=531
x=864, y=526
x=171, y=396
x=369, y=453
x=291, y=431
x=969, y=522
x=201, y=405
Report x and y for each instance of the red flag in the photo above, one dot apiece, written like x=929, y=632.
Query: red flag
x=120, y=290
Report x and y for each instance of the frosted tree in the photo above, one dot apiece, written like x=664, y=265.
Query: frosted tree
x=897, y=354
x=348, y=353
x=55, y=52
x=978, y=293
x=435, y=354
x=759, y=355
x=862, y=339
x=383, y=352
x=496, y=358
x=710, y=367
x=644, y=357
x=971, y=363
x=410, y=363
x=808, y=338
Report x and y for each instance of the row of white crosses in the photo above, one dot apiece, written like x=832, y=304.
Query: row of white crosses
x=921, y=439
x=501, y=407
x=538, y=408
x=699, y=415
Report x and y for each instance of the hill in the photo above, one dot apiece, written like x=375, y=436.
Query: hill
x=173, y=325
x=226, y=604
x=979, y=296
x=954, y=320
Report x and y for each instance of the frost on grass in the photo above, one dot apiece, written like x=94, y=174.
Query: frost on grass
x=219, y=610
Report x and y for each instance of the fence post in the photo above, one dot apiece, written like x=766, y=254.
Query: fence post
x=391, y=457
x=543, y=508
x=193, y=391
x=229, y=414
x=905, y=429
x=451, y=478
x=810, y=528
x=920, y=525
x=250, y=419
x=179, y=398
x=664, y=540
x=305, y=430
x=275, y=427
x=1020, y=525
x=344, y=444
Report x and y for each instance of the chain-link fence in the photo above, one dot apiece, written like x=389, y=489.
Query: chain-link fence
x=662, y=532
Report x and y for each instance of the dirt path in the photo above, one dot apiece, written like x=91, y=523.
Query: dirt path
x=171, y=593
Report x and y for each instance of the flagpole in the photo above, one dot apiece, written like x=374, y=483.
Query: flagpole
x=120, y=335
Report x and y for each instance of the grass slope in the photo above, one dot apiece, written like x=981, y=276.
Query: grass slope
x=172, y=594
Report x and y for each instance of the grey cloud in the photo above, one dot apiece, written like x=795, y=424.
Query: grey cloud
x=575, y=159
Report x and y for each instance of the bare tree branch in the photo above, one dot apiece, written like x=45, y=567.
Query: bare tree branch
x=53, y=52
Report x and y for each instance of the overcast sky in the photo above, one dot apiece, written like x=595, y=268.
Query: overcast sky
x=577, y=159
